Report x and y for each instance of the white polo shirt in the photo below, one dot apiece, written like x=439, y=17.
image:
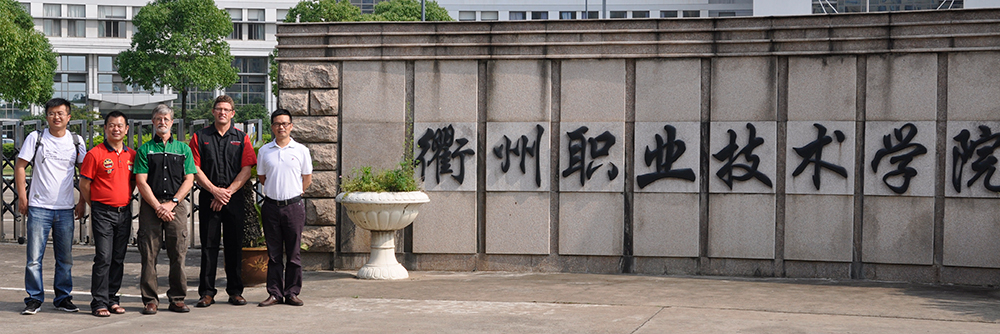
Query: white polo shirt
x=283, y=167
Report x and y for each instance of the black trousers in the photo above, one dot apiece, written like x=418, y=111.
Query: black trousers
x=110, y=228
x=213, y=226
x=283, y=233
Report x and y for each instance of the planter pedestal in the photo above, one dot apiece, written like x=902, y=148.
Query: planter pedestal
x=382, y=262
x=383, y=214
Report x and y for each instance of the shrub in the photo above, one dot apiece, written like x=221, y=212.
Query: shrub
x=392, y=180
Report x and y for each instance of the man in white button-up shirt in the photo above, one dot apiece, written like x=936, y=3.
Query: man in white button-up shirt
x=284, y=167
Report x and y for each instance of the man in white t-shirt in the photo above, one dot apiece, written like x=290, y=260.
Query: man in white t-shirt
x=284, y=168
x=50, y=204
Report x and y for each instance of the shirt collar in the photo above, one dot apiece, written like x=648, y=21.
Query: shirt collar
x=112, y=149
x=291, y=143
x=157, y=139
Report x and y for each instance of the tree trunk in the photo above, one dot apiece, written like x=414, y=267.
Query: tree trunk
x=184, y=96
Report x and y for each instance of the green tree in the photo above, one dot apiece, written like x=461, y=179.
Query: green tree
x=27, y=64
x=253, y=111
x=323, y=11
x=181, y=44
x=408, y=10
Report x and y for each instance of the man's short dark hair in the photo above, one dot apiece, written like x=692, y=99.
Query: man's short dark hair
x=280, y=112
x=113, y=114
x=55, y=102
x=224, y=98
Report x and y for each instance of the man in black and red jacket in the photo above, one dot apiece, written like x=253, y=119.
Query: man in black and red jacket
x=223, y=156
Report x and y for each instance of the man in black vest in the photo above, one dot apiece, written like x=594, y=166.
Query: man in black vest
x=223, y=156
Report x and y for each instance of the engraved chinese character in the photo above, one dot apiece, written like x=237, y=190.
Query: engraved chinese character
x=731, y=152
x=522, y=148
x=664, y=155
x=902, y=154
x=438, y=143
x=985, y=164
x=600, y=146
x=812, y=153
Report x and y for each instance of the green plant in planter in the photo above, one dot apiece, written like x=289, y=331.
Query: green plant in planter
x=400, y=179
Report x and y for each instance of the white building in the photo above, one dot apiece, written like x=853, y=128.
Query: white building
x=89, y=34
x=479, y=10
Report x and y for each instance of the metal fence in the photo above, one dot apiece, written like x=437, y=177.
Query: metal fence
x=12, y=228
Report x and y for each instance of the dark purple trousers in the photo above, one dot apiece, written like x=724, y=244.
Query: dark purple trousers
x=283, y=233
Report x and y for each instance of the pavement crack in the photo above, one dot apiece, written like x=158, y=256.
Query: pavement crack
x=643, y=324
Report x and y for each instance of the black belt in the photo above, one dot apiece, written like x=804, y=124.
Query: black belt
x=106, y=207
x=286, y=202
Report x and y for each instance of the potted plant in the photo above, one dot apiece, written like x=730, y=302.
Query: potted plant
x=254, y=262
x=382, y=202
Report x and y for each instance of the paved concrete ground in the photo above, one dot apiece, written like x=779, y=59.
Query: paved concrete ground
x=496, y=302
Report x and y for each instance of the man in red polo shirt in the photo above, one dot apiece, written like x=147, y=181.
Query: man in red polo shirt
x=106, y=183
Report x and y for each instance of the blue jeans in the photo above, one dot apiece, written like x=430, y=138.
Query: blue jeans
x=40, y=221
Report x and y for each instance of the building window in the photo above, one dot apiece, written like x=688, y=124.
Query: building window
x=590, y=15
x=52, y=28
x=692, y=13
x=466, y=16
x=516, y=16
x=539, y=15
x=367, y=6
x=489, y=16
x=76, y=28
x=70, y=81
x=640, y=14
x=237, y=16
x=115, y=23
x=616, y=14
x=255, y=31
x=567, y=15
x=251, y=87
x=50, y=10
x=727, y=14
x=27, y=7
x=282, y=14
x=668, y=13
x=110, y=82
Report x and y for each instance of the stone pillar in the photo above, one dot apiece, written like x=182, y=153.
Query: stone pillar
x=310, y=91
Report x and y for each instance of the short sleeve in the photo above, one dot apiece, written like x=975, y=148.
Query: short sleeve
x=28, y=148
x=307, y=164
x=89, y=166
x=81, y=150
x=193, y=150
x=141, y=161
x=189, y=162
x=249, y=157
x=262, y=165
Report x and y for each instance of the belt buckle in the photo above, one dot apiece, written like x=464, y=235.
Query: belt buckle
x=282, y=202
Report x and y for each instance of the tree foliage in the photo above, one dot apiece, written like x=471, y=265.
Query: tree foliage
x=181, y=44
x=344, y=11
x=324, y=11
x=408, y=10
x=27, y=63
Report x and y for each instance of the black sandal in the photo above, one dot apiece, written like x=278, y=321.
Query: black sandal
x=101, y=313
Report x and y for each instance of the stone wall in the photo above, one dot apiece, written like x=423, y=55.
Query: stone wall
x=843, y=146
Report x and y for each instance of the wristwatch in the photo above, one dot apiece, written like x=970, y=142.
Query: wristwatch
x=176, y=200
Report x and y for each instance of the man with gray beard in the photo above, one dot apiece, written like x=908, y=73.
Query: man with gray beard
x=164, y=173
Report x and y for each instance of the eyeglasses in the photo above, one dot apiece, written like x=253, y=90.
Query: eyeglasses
x=282, y=124
x=56, y=114
x=162, y=120
x=222, y=110
x=115, y=126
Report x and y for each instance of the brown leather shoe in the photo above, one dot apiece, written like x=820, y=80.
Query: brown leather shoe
x=237, y=300
x=149, y=309
x=294, y=301
x=205, y=301
x=178, y=307
x=271, y=300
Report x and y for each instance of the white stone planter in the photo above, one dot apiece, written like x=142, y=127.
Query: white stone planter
x=382, y=214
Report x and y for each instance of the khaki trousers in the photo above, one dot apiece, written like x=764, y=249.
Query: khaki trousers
x=152, y=232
